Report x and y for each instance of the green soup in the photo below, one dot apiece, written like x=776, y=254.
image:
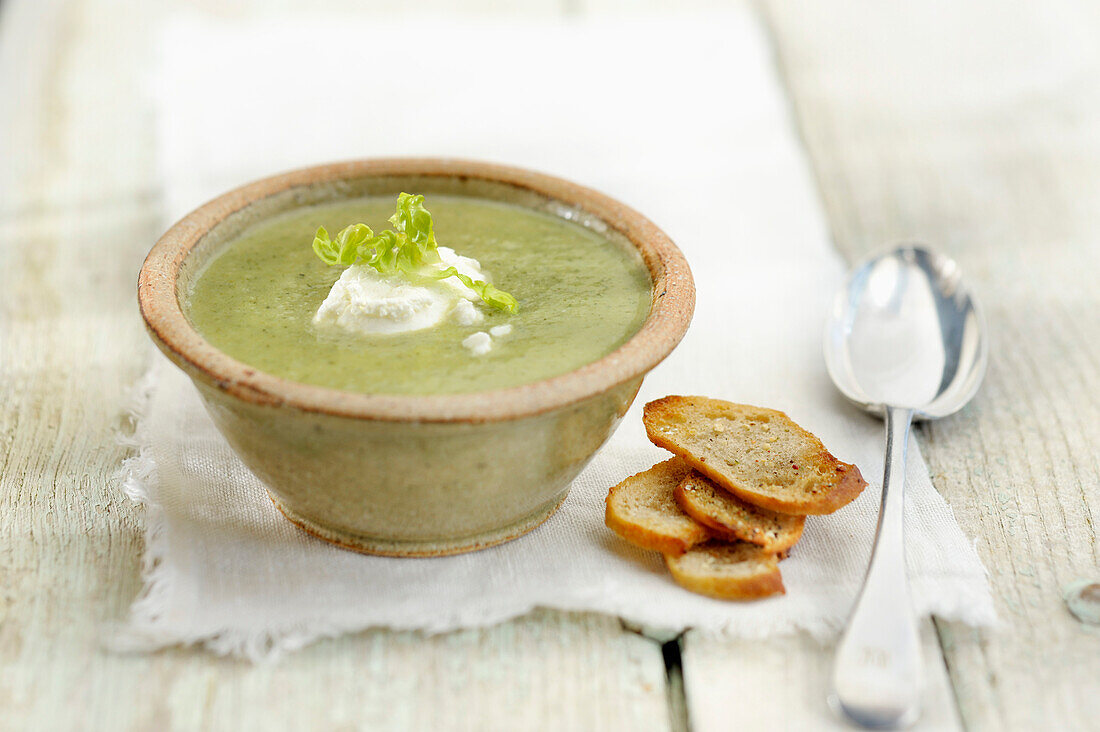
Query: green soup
x=580, y=297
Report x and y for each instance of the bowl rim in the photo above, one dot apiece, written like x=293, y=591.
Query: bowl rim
x=664, y=327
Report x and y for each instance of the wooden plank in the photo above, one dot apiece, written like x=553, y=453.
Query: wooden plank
x=71, y=241
x=976, y=127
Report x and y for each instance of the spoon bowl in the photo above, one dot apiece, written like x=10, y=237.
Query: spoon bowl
x=905, y=332
x=905, y=340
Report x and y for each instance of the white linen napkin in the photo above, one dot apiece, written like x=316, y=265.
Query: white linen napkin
x=682, y=118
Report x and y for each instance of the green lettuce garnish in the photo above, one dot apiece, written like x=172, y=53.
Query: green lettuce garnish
x=409, y=248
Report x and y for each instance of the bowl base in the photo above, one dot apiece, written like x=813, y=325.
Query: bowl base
x=428, y=548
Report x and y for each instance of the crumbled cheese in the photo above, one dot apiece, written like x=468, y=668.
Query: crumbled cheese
x=499, y=331
x=466, y=313
x=479, y=343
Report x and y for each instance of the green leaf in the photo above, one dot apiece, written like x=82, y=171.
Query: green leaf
x=382, y=252
x=408, y=249
x=351, y=241
x=324, y=248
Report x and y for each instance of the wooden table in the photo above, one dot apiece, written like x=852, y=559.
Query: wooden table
x=975, y=127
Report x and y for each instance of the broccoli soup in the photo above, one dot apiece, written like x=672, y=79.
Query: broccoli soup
x=473, y=296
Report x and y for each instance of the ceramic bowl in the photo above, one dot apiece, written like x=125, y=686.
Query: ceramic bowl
x=413, y=475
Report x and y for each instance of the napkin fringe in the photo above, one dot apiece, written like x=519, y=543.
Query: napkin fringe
x=136, y=476
x=138, y=470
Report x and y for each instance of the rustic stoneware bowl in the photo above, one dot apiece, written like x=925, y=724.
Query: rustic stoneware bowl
x=413, y=475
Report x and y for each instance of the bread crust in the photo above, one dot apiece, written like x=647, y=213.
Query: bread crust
x=753, y=529
x=646, y=536
x=764, y=582
x=846, y=481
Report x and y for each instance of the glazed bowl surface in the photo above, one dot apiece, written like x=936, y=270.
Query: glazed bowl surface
x=412, y=475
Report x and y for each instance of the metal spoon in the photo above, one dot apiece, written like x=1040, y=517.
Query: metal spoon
x=906, y=341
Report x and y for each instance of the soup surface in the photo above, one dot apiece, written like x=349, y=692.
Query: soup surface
x=580, y=297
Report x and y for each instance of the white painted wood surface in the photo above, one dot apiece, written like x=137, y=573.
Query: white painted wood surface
x=1008, y=179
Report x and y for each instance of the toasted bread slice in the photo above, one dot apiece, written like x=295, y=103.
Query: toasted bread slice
x=642, y=510
x=722, y=511
x=736, y=571
x=757, y=454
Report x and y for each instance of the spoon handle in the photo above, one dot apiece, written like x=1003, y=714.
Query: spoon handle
x=877, y=671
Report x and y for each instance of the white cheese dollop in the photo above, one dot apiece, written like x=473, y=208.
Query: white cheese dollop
x=363, y=301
